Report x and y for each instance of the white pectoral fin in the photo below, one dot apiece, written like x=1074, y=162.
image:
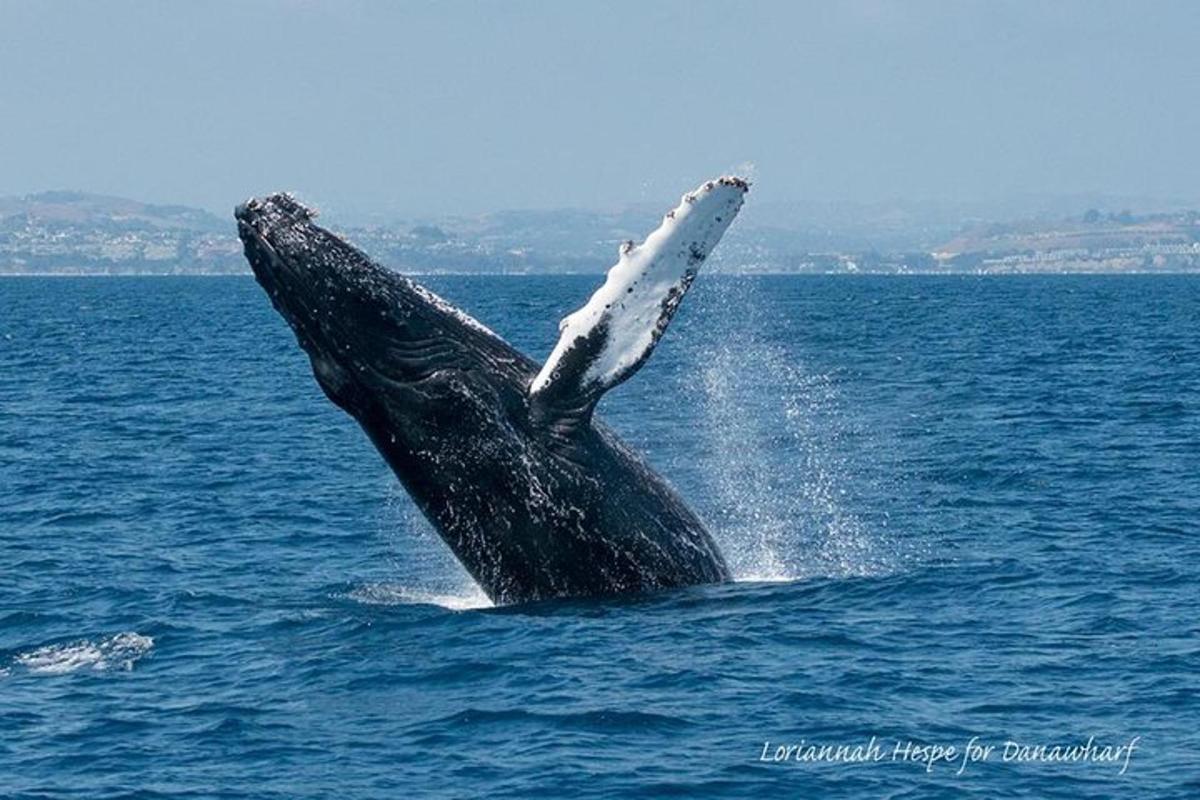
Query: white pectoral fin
x=607, y=340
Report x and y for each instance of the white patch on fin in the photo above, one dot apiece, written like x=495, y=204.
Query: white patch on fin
x=641, y=293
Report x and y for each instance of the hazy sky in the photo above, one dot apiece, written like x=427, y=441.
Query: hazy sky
x=432, y=108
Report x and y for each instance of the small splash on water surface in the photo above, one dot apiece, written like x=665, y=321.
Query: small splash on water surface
x=118, y=652
x=429, y=573
x=391, y=594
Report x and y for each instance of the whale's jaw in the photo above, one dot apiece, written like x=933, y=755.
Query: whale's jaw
x=274, y=250
x=304, y=271
x=372, y=334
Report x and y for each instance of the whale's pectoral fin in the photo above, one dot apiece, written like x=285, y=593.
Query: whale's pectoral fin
x=609, y=339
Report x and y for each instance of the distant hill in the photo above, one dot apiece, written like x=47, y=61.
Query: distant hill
x=66, y=232
x=81, y=210
x=1094, y=242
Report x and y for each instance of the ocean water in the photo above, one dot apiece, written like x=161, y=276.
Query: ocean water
x=958, y=507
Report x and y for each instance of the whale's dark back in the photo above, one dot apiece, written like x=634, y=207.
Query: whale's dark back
x=531, y=513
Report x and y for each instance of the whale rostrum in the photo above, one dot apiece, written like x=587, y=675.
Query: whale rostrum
x=535, y=496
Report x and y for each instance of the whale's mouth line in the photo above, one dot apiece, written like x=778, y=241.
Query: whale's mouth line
x=279, y=276
x=267, y=262
x=256, y=226
x=283, y=276
x=249, y=226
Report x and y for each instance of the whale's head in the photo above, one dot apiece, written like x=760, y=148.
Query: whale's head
x=380, y=344
x=320, y=286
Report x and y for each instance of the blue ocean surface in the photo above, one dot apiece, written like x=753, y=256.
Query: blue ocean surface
x=957, y=506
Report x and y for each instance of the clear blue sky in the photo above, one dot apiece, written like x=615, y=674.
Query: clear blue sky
x=432, y=108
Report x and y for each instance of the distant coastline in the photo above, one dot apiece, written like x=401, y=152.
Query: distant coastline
x=79, y=234
x=598, y=275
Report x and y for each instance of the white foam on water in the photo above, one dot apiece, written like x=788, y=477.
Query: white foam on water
x=393, y=594
x=114, y=652
x=429, y=573
x=780, y=471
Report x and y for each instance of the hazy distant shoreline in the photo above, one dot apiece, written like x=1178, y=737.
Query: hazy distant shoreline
x=725, y=273
x=75, y=233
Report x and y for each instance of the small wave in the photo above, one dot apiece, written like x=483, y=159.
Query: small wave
x=115, y=652
x=767, y=575
x=389, y=594
x=599, y=719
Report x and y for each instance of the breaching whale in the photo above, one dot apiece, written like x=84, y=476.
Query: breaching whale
x=534, y=495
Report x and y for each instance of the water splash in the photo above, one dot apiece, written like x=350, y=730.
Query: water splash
x=780, y=456
x=780, y=471
x=430, y=574
x=114, y=652
x=394, y=594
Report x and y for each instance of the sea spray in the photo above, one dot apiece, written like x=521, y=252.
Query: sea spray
x=782, y=474
x=427, y=570
x=117, y=652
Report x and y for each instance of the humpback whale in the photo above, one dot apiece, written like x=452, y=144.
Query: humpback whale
x=534, y=495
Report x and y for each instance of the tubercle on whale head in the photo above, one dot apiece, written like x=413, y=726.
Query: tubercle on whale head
x=736, y=181
x=284, y=203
